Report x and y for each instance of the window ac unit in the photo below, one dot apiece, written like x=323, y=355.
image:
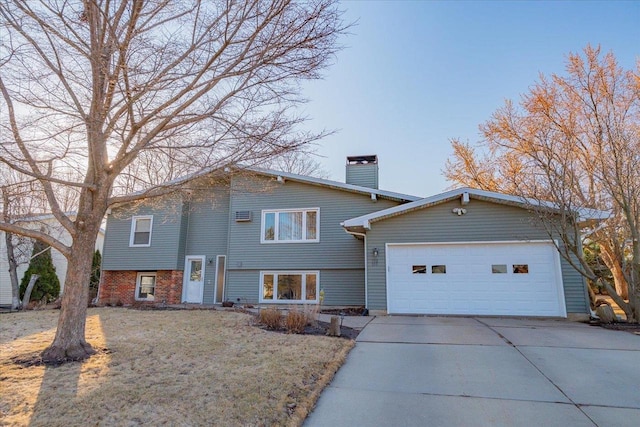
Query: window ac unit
x=243, y=216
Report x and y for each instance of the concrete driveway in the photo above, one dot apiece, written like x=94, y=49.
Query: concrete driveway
x=454, y=371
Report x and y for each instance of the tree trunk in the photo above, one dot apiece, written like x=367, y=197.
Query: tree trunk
x=629, y=311
x=13, y=271
x=11, y=256
x=70, y=343
x=27, y=292
x=613, y=263
x=620, y=282
x=334, y=327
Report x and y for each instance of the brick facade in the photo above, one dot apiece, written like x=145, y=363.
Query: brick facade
x=119, y=287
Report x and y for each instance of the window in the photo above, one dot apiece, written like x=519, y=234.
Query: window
x=141, y=231
x=290, y=225
x=146, y=286
x=419, y=269
x=520, y=268
x=289, y=286
x=499, y=268
x=438, y=269
x=220, y=277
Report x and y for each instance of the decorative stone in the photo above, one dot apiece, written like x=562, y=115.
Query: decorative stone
x=606, y=314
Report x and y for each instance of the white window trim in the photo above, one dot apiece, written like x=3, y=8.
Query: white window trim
x=224, y=278
x=303, y=273
x=155, y=285
x=134, y=220
x=304, y=225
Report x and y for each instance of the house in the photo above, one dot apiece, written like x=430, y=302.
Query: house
x=50, y=225
x=272, y=237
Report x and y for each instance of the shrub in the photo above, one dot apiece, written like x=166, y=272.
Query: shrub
x=271, y=318
x=48, y=285
x=295, y=322
x=311, y=312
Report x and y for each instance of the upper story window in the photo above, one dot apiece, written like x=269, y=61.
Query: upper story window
x=141, y=230
x=290, y=226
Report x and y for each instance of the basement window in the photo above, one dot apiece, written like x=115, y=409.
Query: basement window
x=289, y=286
x=146, y=286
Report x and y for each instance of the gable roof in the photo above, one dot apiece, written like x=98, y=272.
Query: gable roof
x=390, y=195
x=364, y=221
x=336, y=184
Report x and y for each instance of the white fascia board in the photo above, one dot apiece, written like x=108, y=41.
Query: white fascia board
x=336, y=184
x=294, y=177
x=365, y=220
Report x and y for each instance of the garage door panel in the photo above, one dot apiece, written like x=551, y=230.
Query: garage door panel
x=469, y=286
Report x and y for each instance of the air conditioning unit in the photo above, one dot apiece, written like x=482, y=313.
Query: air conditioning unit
x=243, y=216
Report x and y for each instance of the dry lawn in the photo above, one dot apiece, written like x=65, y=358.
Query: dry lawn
x=164, y=368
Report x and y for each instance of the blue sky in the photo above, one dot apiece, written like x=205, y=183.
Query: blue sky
x=415, y=74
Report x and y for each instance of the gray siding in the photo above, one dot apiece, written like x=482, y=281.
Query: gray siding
x=163, y=254
x=206, y=232
x=365, y=175
x=483, y=221
x=337, y=251
x=341, y=287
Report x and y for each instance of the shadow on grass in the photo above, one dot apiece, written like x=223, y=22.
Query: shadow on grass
x=64, y=389
x=45, y=413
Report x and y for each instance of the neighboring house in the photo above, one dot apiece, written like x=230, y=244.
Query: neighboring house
x=274, y=237
x=51, y=226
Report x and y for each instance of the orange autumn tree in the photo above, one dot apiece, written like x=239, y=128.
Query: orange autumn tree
x=573, y=140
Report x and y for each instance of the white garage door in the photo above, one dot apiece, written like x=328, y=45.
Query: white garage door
x=520, y=279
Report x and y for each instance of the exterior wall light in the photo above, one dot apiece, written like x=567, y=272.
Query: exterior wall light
x=459, y=211
x=375, y=252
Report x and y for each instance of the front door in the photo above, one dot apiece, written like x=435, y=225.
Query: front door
x=194, y=279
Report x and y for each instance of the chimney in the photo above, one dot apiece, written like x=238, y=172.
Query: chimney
x=363, y=171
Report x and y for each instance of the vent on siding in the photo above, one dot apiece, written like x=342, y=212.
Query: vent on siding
x=243, y=216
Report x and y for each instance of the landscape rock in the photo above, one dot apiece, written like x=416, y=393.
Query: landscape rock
x=606, y=314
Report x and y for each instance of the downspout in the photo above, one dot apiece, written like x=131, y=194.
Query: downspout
x=366, y=267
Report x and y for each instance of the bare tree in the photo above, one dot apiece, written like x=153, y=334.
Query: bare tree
x=19, y=203
x=99, y=88
x=298, y=162
x=573, y=140
x=11, y=249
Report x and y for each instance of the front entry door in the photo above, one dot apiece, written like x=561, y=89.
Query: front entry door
x=194, y=279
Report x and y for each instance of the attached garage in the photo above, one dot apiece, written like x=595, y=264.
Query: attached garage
x=484, y=278
x=467, y=252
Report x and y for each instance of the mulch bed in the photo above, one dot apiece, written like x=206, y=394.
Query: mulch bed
x=347, y=311
x=320, y=329
x=633, y=328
